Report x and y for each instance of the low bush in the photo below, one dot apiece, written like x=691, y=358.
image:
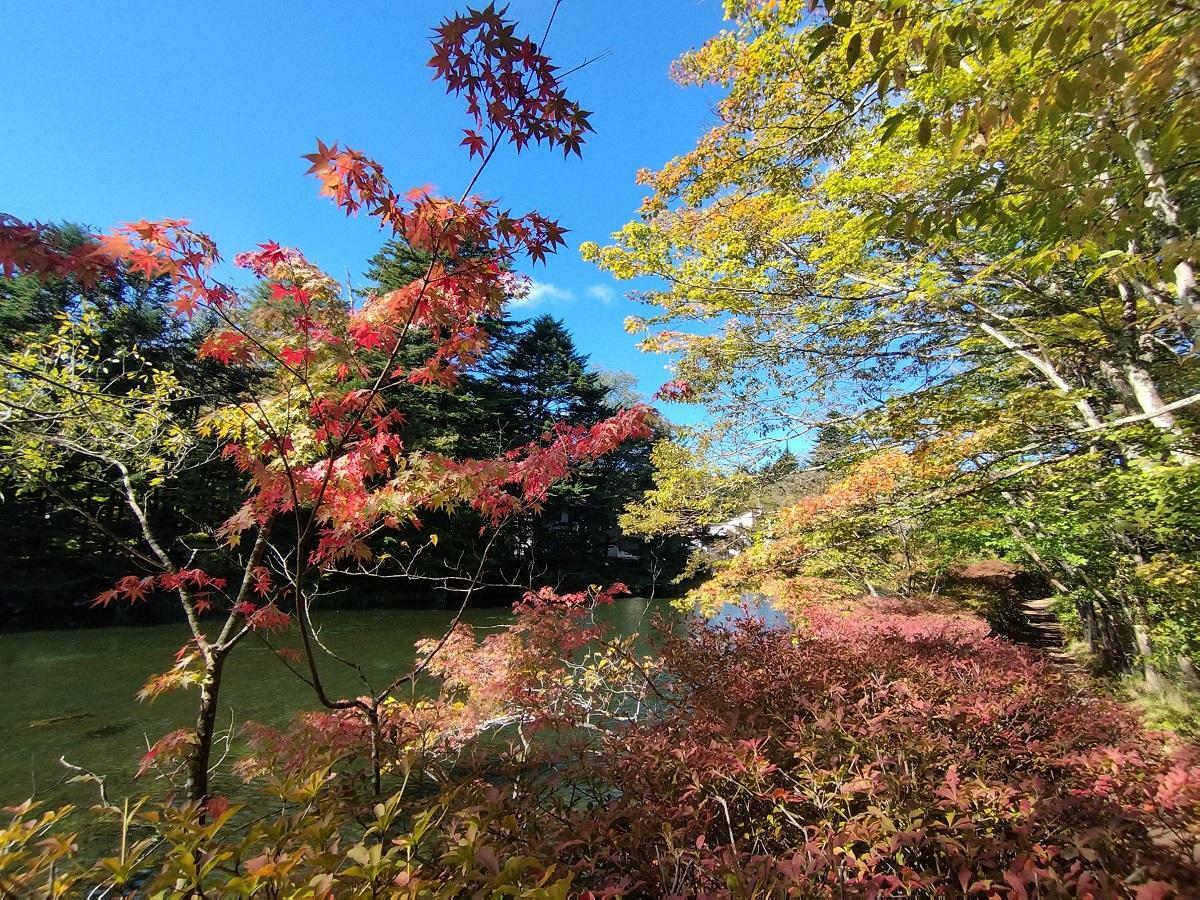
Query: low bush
x=878, y=750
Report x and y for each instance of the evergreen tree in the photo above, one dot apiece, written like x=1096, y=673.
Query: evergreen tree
x=533, y=377
x=540, y=378
x=459, y=422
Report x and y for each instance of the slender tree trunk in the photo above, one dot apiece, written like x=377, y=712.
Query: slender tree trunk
x=376, y=750
x=1086, y=610
x=1164, y=206
x=206, y=724
x=1145, y=391
x=1145, y=648
x=1140, y=381
x=1043, y=365
x=1187, y=671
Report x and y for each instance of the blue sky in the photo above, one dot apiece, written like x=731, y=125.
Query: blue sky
x=119, y=111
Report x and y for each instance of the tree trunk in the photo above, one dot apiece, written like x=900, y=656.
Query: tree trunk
x=372, y=714
x=1145, y=391
x=1086, y=610
x=1145, y=648
x=206, y=724
x=1043, y=365
x=1139, y=379
x=1187, y=672
x=1164, y=206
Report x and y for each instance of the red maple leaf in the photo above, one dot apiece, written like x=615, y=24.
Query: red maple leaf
x=296, y=357
x=474, y=142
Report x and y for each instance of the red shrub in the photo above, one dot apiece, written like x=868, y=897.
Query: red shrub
x=886, y=754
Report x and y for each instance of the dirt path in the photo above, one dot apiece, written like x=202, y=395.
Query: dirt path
x=1041, y=628
x=1038, y=627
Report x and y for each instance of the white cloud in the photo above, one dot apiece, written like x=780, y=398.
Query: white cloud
x=602, y=292
x=543, y=291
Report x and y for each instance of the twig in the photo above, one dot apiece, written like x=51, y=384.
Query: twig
x=86, y=774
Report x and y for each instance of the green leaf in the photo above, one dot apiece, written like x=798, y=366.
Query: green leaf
x=853, y=49
x=1004, y=37
x=1018, y=106
x=1057, y=39
x=824, y=37
x=1063, y=95
x=885, y=81
x=924, y=131
x=876, y=43
x=890, y=124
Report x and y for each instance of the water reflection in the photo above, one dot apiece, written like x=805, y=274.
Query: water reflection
x=751, y=605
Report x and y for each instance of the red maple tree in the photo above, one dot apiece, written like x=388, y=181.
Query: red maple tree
x=317, y=436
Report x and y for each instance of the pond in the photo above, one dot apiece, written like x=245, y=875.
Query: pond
x=73, y=693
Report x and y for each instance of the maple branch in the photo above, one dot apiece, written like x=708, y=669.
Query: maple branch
x=86, y=774
x=248, y=335
x=412, y=675
x=306, y=535
x=306, y=529
x=604, y=54
x=119, y=541
x=185, y=595
x=349, y=664
x=227, y=640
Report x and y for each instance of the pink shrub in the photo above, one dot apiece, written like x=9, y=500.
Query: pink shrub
x=882, y=755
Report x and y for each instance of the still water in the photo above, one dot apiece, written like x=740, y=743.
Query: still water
x=72, y=694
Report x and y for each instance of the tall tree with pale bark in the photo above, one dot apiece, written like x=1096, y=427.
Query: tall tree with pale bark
x=970, y=225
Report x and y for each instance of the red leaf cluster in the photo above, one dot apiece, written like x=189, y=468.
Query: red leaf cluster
x=439, y=226
x=268, y=618
x=31, y=248
x=134, y=588
x=171, y=746
x=675, y=391
x=511, y=88
x=877, y=752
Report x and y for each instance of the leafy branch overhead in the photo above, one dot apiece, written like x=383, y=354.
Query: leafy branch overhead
x=965, y=237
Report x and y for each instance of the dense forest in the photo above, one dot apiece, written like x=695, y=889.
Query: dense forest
x=928, y=284
x=67, y=536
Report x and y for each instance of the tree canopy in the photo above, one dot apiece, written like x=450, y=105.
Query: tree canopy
x=932, y=274
x=964, y=235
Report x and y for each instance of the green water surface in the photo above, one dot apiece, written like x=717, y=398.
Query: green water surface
x=73, y=693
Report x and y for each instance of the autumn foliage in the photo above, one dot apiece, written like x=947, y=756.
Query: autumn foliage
x=887, y=753
x=870, y=747
x=885, y=748
x=315, y=432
